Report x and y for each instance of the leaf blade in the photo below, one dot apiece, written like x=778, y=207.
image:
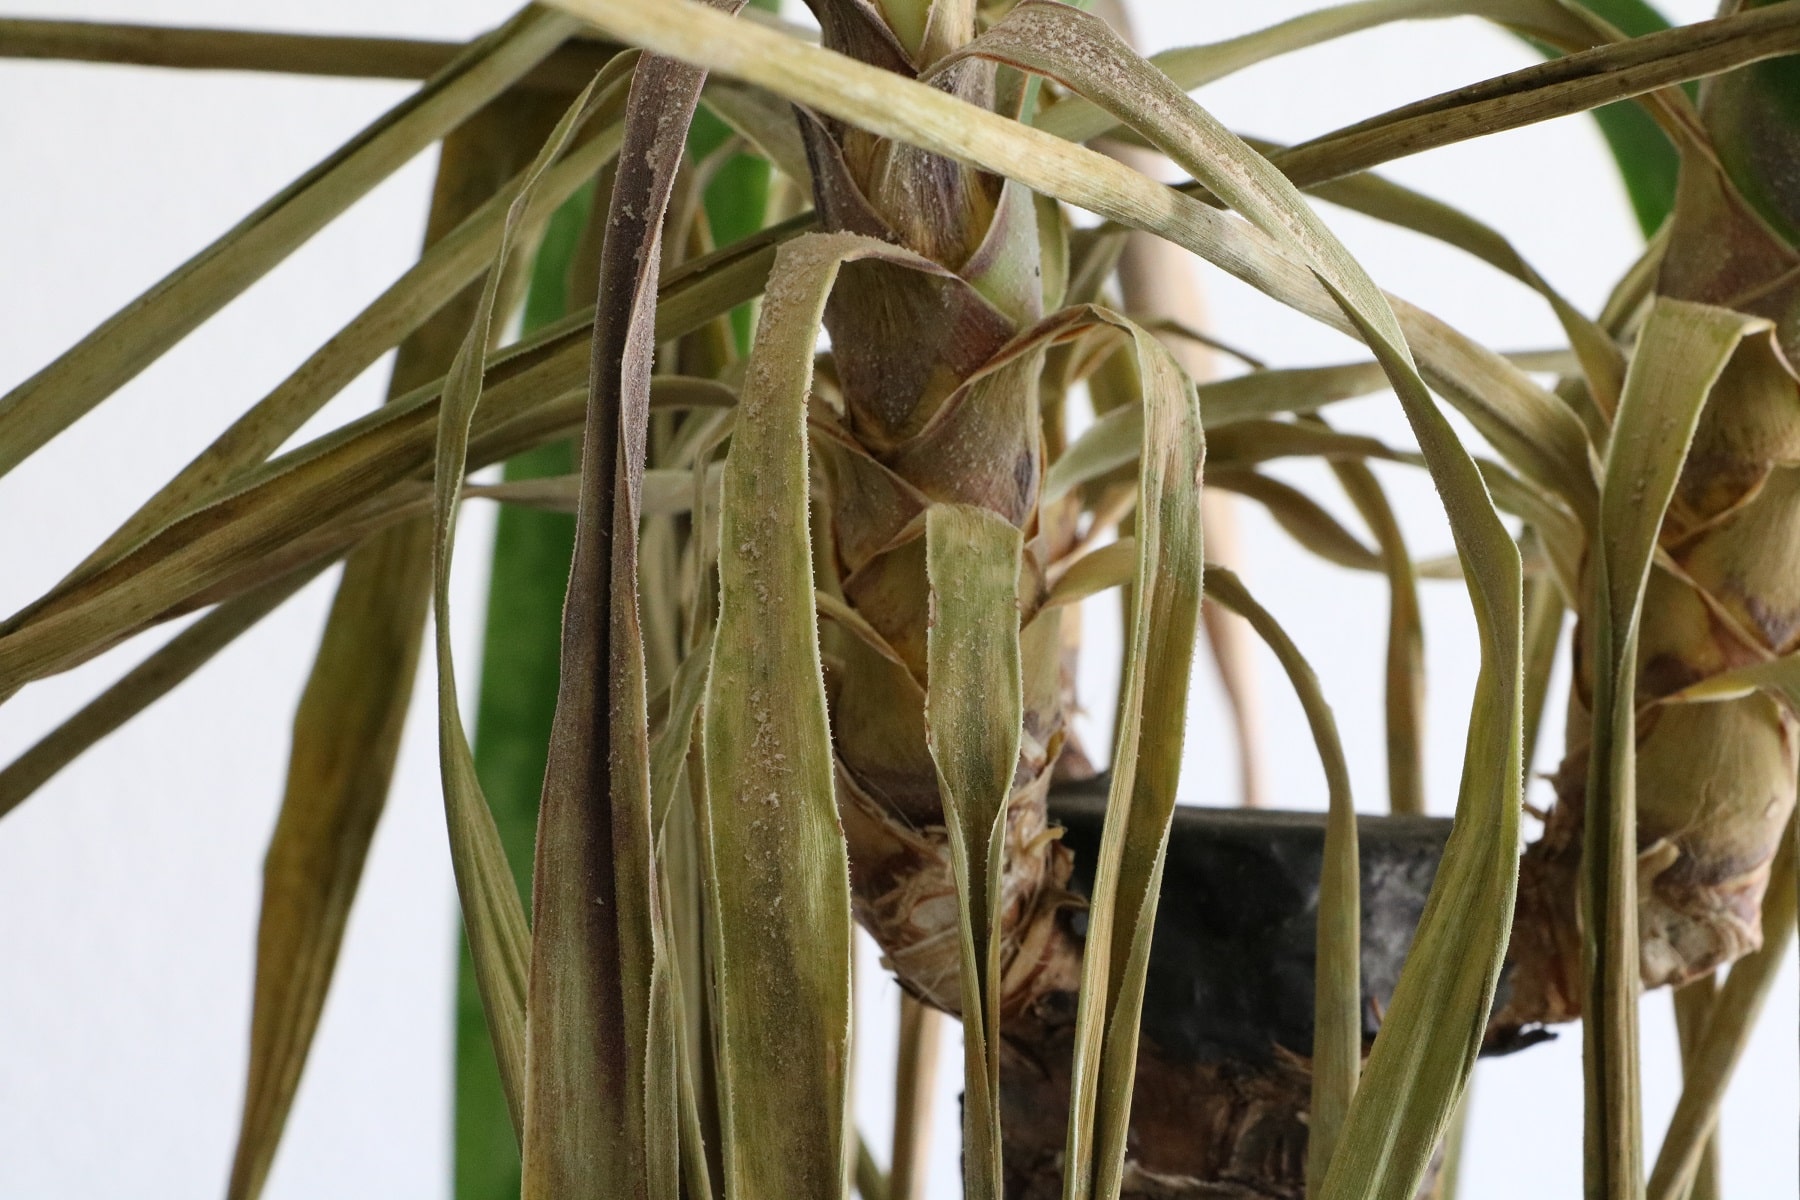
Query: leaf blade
x=1146, y=767
x=1337, y=975
x=781, y=945
x=35, y=411
x=596, y=1044
x=974, y=709
x=348, y=725
x=499, y=938
x=1682, y=351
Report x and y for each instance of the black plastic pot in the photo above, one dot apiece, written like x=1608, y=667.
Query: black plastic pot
x=1222, y=1090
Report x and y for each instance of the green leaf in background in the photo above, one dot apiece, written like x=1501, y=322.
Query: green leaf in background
x=520, y=652
x=522, y=646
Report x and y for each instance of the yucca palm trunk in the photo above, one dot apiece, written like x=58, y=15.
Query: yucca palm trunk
x=910, y=432
x=921, y=417
x=1715, y=781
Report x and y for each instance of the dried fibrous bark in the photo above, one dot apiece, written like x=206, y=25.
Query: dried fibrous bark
x=919, y=416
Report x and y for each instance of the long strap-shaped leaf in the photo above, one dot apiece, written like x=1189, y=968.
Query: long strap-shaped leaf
x=300, y=491
x=1157, y=281
x=1600, y=75
x=1601, y=360
x=1693, y=1004
x=1041, y=35
x=127, y=342
x=1113, y=440
x=1440, y=1007
x=777, y=867
x=347, y=728
x=140, y=687
x=1560, y=87
x=528, y=579
x=1778, y=675
x=1405, y=666
x=1196, y=66
x=974, y=708
x=1165, y=610
x=1300, y=517
x=447, y=265
x=205, y=49
x=492, y=913
x=1337, y=1030
x=1545, y=608
x=589, y=1117
x=1682, y=350
x=1337, y=972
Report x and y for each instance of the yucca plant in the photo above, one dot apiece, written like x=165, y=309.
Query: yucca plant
x=834, y=514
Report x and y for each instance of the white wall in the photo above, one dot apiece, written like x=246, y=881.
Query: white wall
x=128, y=887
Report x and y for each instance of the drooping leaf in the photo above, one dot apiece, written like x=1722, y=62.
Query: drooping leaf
x=1545, y=609
x=776, y=864
x=198, y=49
x=1599, y=357
x=1299, y=516
x=1114, y=440
x=453, y=259
x=493, y=915
x=35, y=411
x=598, y=1045
x=1110, y=566
x=1575, y=83
x=348, y=725
x=1253, y=442
x=140, y=687
x=1146, y=765
x=517, y=700
x=1159, y=282
x=224, y=548
x=974, y=706
x=1337, y=978
x=1778, y=675
x=1294, y=390
x=1192, y=67
x=1681, y=353
x=1643, y=150
x=1405, y=662
x=1693, y=1008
